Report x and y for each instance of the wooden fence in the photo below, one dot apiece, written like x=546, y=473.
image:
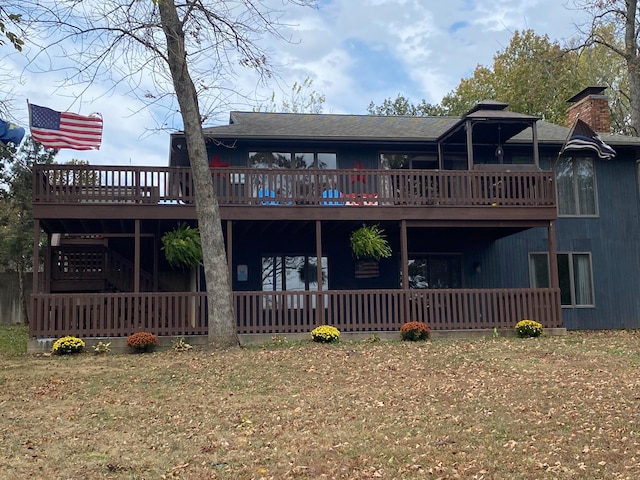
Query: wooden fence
x=184, y=313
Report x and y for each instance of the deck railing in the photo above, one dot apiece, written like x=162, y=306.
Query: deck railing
x=184, y=313
x=91, y=184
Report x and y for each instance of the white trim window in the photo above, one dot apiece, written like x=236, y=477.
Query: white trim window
x=575, y=275
x=576, y=187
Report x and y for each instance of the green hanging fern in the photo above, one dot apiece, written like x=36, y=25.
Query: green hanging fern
x=369, y=241
x=182, y=246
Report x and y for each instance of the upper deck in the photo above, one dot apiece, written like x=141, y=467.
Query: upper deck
x=107, y=192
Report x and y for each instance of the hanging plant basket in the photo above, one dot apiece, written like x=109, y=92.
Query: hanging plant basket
x=370, y=242
x=182, y=247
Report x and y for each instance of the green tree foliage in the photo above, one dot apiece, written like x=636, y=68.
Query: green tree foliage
x=403, y=106
x=16, y=219
x=532, y=74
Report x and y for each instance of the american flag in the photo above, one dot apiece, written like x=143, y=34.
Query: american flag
x=65, y=129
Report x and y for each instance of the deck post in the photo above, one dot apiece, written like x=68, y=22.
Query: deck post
x=553, y=270
x=553, y=255
x=319, y=302
x=136, y=258
x=230, y=250
x=36, y=253
x=469, y=129
x=404, y=255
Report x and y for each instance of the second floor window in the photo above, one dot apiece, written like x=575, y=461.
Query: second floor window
x=576, y=187
x=292, y=160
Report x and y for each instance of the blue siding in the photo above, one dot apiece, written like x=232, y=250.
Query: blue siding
x=612, y=238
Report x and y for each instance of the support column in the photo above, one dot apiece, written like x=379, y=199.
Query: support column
x=156, y=271
x=553, y=255
x=319, y=254
x=36, y=254
x=136, y=258
x=404, y=254
x=319, y=297
x=469, y=128
x=536, y=155
x=230, y=250
x=553, y=268
x=46, y=268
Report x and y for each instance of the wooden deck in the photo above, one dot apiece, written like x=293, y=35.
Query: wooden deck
x=184, y=313
x=94, y=185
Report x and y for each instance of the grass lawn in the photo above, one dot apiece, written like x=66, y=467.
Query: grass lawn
x=505, y=408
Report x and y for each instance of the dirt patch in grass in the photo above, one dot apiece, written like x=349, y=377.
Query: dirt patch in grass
x=553, y=407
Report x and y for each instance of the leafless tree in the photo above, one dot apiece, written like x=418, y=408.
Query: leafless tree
x=623, y=16
x=165, y=50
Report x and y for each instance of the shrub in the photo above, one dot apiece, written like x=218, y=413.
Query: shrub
x=142, y=342
x=528, y=328
x=414, y=331
x=101, y=348
x=67, y=346
x=325, y=334
x=180, y=345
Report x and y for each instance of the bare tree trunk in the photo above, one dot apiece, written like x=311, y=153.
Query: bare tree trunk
x=633, y=63
x=222, y=328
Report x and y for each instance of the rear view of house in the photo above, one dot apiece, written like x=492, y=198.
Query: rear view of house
x=473, y=208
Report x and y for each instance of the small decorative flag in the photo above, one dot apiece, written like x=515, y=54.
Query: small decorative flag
x=582, y=138
x=10, y=133
x=65, y=129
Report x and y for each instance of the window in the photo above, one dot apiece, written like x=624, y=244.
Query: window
x=292, y=160
x=400, y=160
x=575, y=179
x=293, y=273
x=574, y=275
x=435, y=271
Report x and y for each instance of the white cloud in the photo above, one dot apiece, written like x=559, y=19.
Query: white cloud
x=355, y=52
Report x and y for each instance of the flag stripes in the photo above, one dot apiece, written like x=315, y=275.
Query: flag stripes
x=582, y=138
x=65, y=129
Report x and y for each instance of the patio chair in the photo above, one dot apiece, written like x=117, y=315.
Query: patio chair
x=266, y=193
x=332, y=194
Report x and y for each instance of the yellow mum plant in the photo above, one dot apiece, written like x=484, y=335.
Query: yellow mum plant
x=325, y=334
x=528, y=328
x=67, y=346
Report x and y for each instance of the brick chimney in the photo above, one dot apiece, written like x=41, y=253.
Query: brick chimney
x=592, y=106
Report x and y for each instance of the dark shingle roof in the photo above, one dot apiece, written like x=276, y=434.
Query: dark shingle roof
x=331, y=126
x=261, y=125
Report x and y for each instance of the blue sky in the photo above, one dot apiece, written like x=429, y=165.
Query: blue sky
x=355, y=53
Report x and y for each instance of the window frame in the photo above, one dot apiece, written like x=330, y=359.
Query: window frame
x=413, y=159
x=576, y=196
x=282, y=258
x=430, y=256
x=572, y=276
x=292, y=154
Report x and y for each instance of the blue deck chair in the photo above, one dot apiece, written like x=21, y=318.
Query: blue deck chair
x=266, y=193
x=332, y=194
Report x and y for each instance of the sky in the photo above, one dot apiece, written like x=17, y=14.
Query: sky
x=355, y=52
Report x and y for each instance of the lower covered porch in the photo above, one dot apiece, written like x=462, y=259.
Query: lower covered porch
x=105, y=315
